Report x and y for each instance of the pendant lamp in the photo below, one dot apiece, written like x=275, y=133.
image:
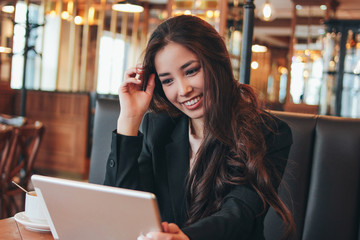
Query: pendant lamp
x=267, y=12
x=128, y=6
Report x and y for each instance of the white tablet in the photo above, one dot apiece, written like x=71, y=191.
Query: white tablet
x=81, y=210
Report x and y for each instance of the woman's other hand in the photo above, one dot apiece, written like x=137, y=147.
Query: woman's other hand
x=134, y=102
x=171, y=232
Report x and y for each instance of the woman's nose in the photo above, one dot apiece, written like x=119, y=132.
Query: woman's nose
x=184, y=88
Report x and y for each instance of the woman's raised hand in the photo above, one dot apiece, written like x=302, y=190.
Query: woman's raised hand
x=134, y=102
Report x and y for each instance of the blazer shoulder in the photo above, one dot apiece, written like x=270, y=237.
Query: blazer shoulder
x=158, y=125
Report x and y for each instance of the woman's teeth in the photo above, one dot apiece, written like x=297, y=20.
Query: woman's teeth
x=192, y=101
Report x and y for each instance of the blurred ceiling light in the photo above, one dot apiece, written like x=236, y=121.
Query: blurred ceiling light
x=298, y=7
x=5, y=50
x=209, y=14
x=128, y=6
x=65, y=15
x=267, y=12
x=78, y=20
x=282, y=70
x=8, y=9
x=70, y=7
x=258, y=48
x=323, y=7
x=52, y=13
x=254, y=65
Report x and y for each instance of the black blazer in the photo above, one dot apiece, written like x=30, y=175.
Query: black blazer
x=157, y=160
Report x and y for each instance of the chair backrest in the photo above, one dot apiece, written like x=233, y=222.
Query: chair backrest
x=322, y=178
x=6, y=134
x=297, y=174
x=106, y=115
x=22, y=154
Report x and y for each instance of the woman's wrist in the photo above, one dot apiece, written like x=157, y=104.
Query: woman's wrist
x=128, y=126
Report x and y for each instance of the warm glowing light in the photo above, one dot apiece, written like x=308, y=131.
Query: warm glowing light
x=282, y=70
x=52, y=13
x=267, y=11
x=306, y=74
x=127, y=7
x=65, y=15
x=307, y=52
x=5, y=50
x=78, y=20
x=209, y=14
x=254, y=65
x=258, y=48
x=217, y=14
x=187, y=12
x=91, y=15
x=70, y=7
x=8, y=9
x=197, y=3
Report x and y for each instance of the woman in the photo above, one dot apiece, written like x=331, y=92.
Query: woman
x=212, y=157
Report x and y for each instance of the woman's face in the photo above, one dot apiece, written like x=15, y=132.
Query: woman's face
x=182, y=79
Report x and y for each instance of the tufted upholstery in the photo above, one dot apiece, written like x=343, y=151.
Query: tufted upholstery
x=322, y=177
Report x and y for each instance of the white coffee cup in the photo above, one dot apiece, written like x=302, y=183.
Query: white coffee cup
x=33, y=208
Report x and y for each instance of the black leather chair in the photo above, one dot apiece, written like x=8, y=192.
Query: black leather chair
x=321, y=182
x=322, y=178
x=106, y=115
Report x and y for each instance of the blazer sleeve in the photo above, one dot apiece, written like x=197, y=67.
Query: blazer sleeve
x=239, y=218
x=129, y=164
x=242, y=213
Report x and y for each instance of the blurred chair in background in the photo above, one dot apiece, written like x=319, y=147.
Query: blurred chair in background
x=18, y=166
x=6, y=134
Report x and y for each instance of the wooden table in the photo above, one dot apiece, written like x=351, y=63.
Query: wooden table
x=12, y=230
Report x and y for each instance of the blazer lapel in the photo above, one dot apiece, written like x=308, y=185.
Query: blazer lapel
x=177, y=157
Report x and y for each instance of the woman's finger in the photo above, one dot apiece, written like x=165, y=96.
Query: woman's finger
x=131, y=80
x=165, y=226
x=173, y=228
x=130, y=72
x=150, y=84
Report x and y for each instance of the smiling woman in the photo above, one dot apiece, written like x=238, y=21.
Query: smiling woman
x=212, y=157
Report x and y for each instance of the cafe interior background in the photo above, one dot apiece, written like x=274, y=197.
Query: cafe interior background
x=58, y=56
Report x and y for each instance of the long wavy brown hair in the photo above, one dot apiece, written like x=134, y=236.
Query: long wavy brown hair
x=233, y=148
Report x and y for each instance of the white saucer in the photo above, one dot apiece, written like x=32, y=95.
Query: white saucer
x=30, y=225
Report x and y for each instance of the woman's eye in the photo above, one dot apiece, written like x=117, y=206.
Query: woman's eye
x=192, y=71
x=166, y=81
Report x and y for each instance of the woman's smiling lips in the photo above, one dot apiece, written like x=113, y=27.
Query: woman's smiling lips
x=193, y=103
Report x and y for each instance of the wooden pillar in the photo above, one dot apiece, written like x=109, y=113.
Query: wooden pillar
x=84, y=48
x=98, y=38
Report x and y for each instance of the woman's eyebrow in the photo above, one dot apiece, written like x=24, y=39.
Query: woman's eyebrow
x=188, y=63
x=163, y=74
